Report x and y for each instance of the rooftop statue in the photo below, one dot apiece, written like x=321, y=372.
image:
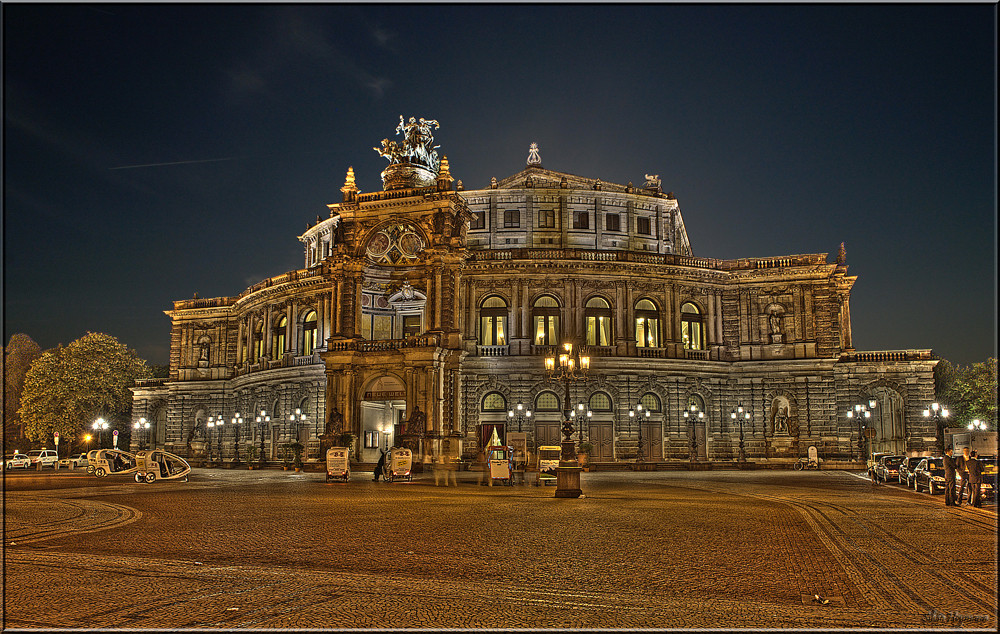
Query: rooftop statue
x=417, y=146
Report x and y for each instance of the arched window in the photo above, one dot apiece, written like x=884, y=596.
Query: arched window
x=493, y=322
x=494, y=402
x=692, y=329
x=278, y=338
x=650, y=402
x=598, y=315
x=600, y=402
x=258, y=341
x=647, y=325
x=547, y=402
x=309, y=333
x=545, y=317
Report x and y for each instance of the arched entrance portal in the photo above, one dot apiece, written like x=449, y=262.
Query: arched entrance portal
x=383, y=407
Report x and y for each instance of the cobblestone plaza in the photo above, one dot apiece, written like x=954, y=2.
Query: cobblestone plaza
x=680, y=549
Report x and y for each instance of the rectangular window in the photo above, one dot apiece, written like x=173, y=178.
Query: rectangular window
x=478, y=220
x=581, y=220
x=411, y=325
x=612, y=222
x=642, y=226
x=511, y=219
x=547, y=218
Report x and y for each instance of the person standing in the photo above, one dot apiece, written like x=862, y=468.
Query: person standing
x=380, y=465
x=960, y=464
x=949, y=477
x=975, y=470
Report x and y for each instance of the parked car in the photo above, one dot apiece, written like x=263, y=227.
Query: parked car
x=888, y=467
x=76, y=460
x=929, y=475
x=876, y=457
x=47, y=457
x=17, y=461
x=906, y=468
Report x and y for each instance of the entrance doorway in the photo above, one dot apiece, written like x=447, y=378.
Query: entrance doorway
x=602, y=437
x=652, y=442
x=379, y=421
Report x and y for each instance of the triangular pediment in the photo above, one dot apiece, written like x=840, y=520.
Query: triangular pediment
x=545, y=178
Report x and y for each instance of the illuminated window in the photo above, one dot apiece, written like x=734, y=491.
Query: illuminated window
x=258, y=341
x=547, y=402
x=600, y=402
x=278, y=338
x=545, y=317
x=309, y=333
x=511, y=219
x=647, y=325
x=494, y=402
x=692, y=329
x=493, y=322
x=650, y=401
x=598, y=316
x=411, y=325
x=612, y=222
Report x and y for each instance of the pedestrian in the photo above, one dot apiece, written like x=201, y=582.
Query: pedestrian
x=960, y=465
x=949, y=477
x=484, y=468
x=975, y=470
x=434, y=465
x=379, y=465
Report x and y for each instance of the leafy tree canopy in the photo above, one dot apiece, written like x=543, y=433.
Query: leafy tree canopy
x=21, y=351
x=968, y=392
x=69, y=387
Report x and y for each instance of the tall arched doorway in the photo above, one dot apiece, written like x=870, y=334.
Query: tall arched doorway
x=383, y=407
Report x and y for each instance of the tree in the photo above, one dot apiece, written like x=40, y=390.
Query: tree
x=21, y=351
x=69, y=387
x=967, y=392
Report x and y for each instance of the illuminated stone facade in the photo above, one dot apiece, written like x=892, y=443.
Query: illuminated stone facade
x=424, y=312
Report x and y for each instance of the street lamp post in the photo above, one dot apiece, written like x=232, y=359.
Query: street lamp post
x=863, y=413
x=937, y=413
x=100, y=426
x=739, y=415
x=520, y=413
x=262, y=420
x=237, y=422
x=641, y=413
x=213, y=423
x=977, y=425
x=294, y=420
x=695, y=414
x=572, y=367
x=142, y=430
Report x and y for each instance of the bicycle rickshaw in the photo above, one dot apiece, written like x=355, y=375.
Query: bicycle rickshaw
x=501, y=461
x=160, y=465
x=337, y=465
x=548, y=460
x=398, y=464
x=111, y=462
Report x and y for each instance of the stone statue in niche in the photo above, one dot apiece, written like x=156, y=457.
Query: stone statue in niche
x=416, y=423
x=774, y=324
x=780, y=409
x=203, y=358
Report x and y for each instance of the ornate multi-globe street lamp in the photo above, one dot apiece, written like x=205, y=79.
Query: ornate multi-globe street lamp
x=262, y=420
x=100, y=426
x=519, y=413
x=862, y=412
x=215, y=422
x=294, y=420
x=572, y=366
x=739, y=415
x=237, y=422
x=641, y=413
x=693, y=413
x=978, y=425
x=142, y=430
x=937, y=413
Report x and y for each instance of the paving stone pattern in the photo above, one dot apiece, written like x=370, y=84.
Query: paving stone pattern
x=235, y=549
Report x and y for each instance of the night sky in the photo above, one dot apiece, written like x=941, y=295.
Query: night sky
x=154, y=152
